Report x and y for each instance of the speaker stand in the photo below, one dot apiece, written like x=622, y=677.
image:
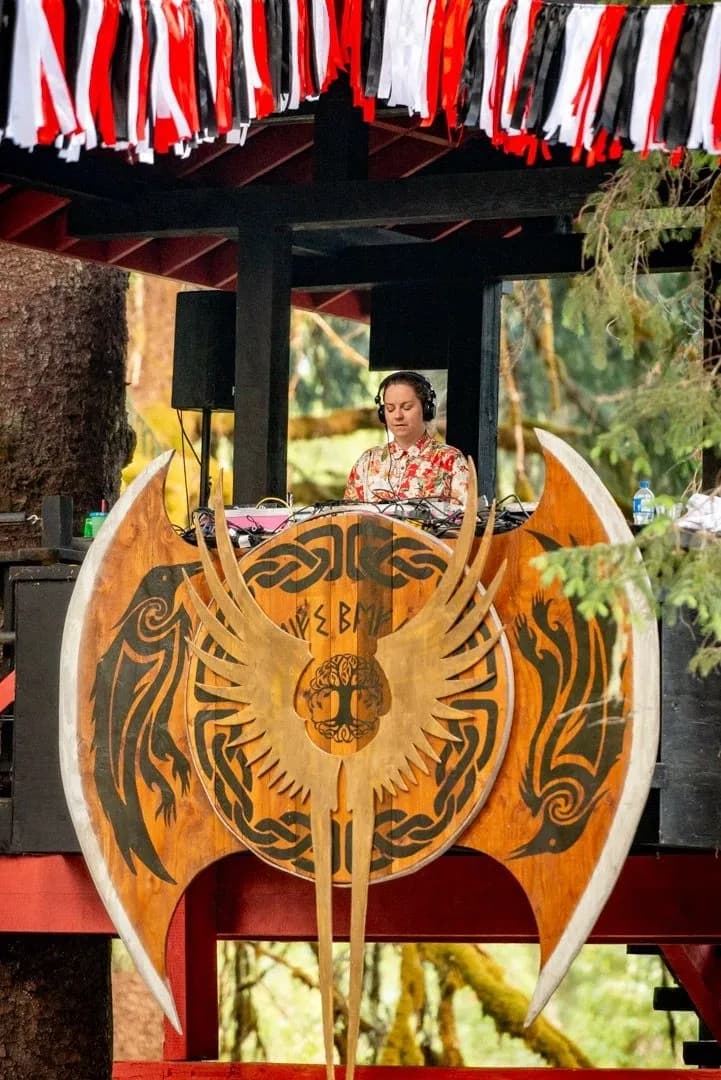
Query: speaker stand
x=204, y=493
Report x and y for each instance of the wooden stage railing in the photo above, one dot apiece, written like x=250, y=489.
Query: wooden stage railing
x=669, y=899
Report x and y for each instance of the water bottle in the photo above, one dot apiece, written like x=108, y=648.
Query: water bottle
x=643, y=504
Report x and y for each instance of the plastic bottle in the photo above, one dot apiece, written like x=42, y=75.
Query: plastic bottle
x=643, y=504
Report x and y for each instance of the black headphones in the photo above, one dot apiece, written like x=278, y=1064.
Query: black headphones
x=421, y=385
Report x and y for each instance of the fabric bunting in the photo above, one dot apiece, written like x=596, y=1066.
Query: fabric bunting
x=150, y=76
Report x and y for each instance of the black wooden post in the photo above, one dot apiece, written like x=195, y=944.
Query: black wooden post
x=473, y=372
x=340, y=147
x=262, y=364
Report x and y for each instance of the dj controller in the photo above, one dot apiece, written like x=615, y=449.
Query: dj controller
x=251, y=525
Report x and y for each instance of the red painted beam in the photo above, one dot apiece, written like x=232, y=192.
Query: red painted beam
x=50, y=894
x=26, y=208
x=349, y=304
x=192, y=971
x=665, y=898
x=117, y=250
x=177, y=251
x=215, y=1070
x=698, y=969
x=670, y=899
x=7, y=691
x=270, y=148
x=218, y=269
x=404, y=158
x=145, y=259
x=412, y=125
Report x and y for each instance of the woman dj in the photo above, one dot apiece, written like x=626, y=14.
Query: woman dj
x=411, y=465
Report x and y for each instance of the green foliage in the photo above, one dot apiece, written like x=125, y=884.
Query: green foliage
x=646, y=203
x=671, y=412
x=328, y=363
x=674, y=580
x=604, y=1006
x=671, y=416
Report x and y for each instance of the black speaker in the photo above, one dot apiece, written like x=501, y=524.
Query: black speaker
x=204, y=351
x=410, y=326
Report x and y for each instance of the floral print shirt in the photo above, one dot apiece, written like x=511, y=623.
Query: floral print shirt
x=427, y=470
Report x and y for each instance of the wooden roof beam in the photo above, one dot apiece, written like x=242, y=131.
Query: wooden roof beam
x=178, y=252
x=22, y=210
x=406, y=157
x=522, y=192
x=519, y=257
x=272, y=147
x=118, y=250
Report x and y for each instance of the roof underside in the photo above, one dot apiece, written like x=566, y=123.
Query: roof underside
x=38, y=192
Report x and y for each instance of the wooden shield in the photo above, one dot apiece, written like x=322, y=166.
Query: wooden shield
x=166, y=769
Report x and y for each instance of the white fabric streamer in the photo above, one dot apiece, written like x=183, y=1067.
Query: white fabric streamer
x=165, y=104
x=404, y=63
x=137, y=125
x=491, y=35
x=251, y=68
x=209, y=29
x=321, y=33
x=35, y=58
x=93, y=21
x=391, y=45
x=36, y=70
x=294, y=96
x=516, y=52
x=701, y=134
x=646, y=72
x=581, y=30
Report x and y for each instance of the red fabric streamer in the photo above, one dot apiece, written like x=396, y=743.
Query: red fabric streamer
x=55, y=15
x=495, y=97
x=100, y=91
x=667, y=49
x=716, y=118
x=352, y=49
x=454, y=47
x=536, y=6
x=305, y=77
x=223, y=57
x=599, y=58
x=335, y=56
x=435, y=50
x=137, y=123
x=181, y=47
x=264, y=103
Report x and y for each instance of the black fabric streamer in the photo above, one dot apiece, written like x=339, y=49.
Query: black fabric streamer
x=372, y=68
x=238, y=81
x=529, y=73
x=286, y=51
x=315, y=71
x=274, y=31
x=203, y=89
x=152, y=49
x=120, y=71
x=680, y=96
x=614, y=107
x=7, y=36
x=549, y=68
x=76, y=15
x=471, y=85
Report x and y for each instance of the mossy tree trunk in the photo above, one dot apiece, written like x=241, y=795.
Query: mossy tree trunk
x=63, y=422
x=63, y=430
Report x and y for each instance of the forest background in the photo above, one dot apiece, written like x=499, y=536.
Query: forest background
x=570, y=365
